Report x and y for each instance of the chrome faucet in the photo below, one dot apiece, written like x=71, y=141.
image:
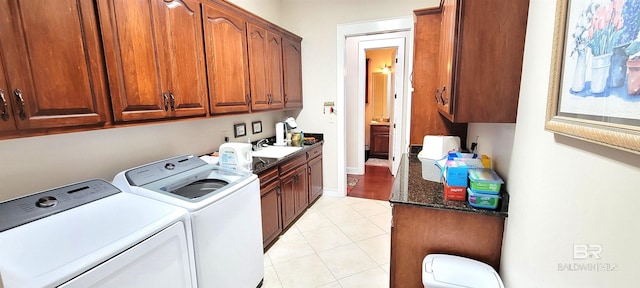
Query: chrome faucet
x=260, y=143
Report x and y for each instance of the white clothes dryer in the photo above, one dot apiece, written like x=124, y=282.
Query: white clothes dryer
x=90, y=234
x=225, y=215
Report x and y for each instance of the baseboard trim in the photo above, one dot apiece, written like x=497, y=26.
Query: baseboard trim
x=332, y=192
x=354, y=171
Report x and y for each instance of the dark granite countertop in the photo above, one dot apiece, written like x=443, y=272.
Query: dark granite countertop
x=261, y=164
x=410, y=188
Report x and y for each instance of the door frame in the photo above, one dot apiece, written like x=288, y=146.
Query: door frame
x=361, y=29
x=397, y=41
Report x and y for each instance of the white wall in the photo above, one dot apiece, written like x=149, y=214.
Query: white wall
x=271, y=10
x=316, y=22
x=37, y=163
x=563, y=191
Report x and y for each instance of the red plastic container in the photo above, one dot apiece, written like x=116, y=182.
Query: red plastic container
x=455, y=193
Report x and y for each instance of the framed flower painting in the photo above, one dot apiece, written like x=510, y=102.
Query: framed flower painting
x=594, y=87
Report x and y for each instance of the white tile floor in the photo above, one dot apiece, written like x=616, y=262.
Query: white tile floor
x=338, y=242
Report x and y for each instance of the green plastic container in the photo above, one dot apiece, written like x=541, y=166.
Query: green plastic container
x=479, y=200
x=485, y=181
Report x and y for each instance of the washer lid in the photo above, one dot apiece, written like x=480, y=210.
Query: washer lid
x=448, y=271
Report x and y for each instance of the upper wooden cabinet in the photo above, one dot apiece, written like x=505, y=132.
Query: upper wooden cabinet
x=53, y=63
x=292, y=65
x=73, y=65
x=265, y=68
x=425, y=119
x=274, y=73
x=481, y=52
x=155, y=58
x=225, y=37
x=7, y=122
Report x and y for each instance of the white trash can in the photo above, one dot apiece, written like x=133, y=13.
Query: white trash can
x=448, y=271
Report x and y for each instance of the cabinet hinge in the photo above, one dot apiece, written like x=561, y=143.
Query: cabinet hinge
x=393, y=158
x=396, y=60
x=395, y=96
x=394, y=125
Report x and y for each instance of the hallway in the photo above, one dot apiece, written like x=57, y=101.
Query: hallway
x=375, y=184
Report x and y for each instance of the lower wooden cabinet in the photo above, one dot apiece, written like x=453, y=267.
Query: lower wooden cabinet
x=379, y=141
x=287, y=190
x=418, y=231
x=295, y=197
x=271, y=202
x=315, y=178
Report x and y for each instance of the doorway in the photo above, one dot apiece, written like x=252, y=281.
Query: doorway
x=353, y=41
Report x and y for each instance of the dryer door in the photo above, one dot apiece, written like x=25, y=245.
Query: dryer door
x=159, y=261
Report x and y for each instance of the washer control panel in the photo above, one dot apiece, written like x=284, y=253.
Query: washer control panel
x=162, y=169
x=19, y=211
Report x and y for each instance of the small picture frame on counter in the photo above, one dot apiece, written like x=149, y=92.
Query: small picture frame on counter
x=257, y=127
x=239, y=130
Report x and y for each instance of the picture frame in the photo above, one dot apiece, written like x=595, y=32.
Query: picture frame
x=256, y=127
x=239, y=130
x=581, y=103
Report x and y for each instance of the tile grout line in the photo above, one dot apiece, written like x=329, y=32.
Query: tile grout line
x=326, y=206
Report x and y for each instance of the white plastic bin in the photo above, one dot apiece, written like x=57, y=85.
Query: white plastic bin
x=448, y=271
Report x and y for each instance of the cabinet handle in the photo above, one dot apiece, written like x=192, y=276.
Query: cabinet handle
x=23, y=113
x=5, y=107
x=286, y=98
x=444, y=88
x=248, y=99
x=436, y=95
x=279, y=191
x=166, y=101
x=270, y=99
x=173, y=101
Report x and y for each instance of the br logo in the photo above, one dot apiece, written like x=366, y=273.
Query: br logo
x=586, y=251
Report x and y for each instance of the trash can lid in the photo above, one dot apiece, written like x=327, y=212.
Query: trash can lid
x=448, y=271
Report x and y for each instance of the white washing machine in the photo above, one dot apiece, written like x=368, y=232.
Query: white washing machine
x=225, y=215
x=90, y=234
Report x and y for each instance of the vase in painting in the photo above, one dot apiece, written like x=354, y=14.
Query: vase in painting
x=579, y=74
x=618, y=67
x=600, y=72
x=633, y=69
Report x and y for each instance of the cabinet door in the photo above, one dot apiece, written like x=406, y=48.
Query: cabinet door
x=7, y=122
x=301, y=189
x=447, y=57
x=425, y=115
x=226, y=49
x=292, y=65
x=271, y=216
x=315, y=178
x=288, y=196
x=257, y=42
x=275, y=79
x=133, y=53
x=379, y=141
x=53, y=63
x=179, y=25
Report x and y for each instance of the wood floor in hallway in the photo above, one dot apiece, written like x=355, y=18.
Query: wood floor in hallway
x=374, y=184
